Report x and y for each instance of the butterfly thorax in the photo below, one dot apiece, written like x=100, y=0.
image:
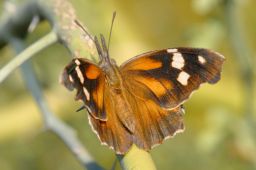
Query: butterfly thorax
x=112, y=74
x=119, y=103
x=108, y=65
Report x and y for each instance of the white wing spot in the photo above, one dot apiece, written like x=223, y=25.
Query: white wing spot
x=201, y=59
x=86, y=93
x=77, y=62
x=71, y=79
x=80, y=75
x=178, y=61
x=183, y=78
x=172, y=50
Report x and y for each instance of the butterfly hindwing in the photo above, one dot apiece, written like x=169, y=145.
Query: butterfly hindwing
x=113, y=132
x=154, y=124
x=88, y=79
x=169, y=76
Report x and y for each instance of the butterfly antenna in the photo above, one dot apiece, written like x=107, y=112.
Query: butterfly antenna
x=82, y=27
x=112, y=23
x=98, y=47
x=105, y=54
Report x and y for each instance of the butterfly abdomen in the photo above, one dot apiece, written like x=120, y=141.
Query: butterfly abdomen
x=121, y=107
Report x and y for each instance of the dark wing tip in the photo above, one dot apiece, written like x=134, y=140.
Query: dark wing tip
x=212, y=54
x=216, y=62
x=65, y=80
x=215, y=79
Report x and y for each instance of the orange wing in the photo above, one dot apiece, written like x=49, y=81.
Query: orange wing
x=168, y=77
x=89, y=81
x=158, y=82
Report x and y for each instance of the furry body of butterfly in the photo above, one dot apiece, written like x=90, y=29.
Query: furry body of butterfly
x=140, y=102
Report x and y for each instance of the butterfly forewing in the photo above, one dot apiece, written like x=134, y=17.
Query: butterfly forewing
x=169, y=76
x=89, y=81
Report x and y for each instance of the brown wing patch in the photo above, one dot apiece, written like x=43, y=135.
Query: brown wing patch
x=153, y=123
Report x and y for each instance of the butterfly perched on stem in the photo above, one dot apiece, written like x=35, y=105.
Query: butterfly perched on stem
x=140, y=102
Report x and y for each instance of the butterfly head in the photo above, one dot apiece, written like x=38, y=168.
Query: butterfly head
x=107, y=64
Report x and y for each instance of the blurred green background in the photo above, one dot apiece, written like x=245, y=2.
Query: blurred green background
x=220, y=133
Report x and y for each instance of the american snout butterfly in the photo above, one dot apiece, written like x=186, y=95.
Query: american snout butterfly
x=140, y=102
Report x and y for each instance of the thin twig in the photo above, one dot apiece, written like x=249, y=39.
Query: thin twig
x=39, y=45
x=52, y=123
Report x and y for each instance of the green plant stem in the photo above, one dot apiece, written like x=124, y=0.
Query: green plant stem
x=44, y=42
x=137, y=159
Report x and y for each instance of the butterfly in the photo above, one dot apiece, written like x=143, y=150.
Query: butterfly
x=141, y=101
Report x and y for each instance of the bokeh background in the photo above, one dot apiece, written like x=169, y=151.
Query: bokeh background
x=220, y=119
